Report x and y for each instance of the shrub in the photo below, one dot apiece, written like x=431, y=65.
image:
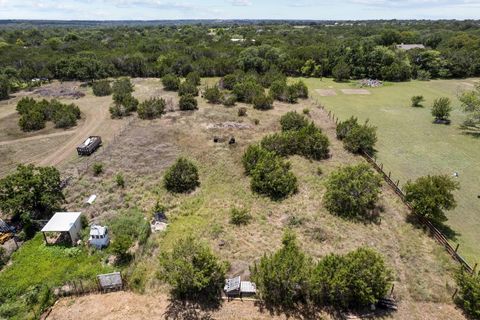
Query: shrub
x=229, y=81
x=247, y=90
x=229, y=100
x=430, y=195
x=417, y=101
x=122, y=86
x=282, y=278
x=468, y=297
x=361, y=138
x=124, y=105
x=252, y=156
x=293, y=121
x=32, y=120
x=102, y=88
x=194, y=78
x=283, y=144
x=25, y=104
x=182, y=177
x=188, y=88
x=188, y=102
x=120, y=248
x=352, y=191
x=239, y=216
x=356, y=280
x=151, y=108
x=423, y=75
x=256, y=122
x=97, y=169
x=66, y=116
x=213, y=95
x=193, y=271
x=263, y=102
x=171, y=82
x=120, y=180
x=278, y=90
x=291, y=95
x=312, y=143
x=306, y=111
x=343, y=128
x=441, y=108
x=4, y=87
x=242, y=112
x=272, y=177
x=301, y=89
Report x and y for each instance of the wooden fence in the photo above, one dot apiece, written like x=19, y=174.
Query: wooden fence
x=435, y=233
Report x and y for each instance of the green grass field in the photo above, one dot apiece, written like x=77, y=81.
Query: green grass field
x=410, y=145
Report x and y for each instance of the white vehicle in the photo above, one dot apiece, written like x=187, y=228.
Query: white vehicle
x=99, y=237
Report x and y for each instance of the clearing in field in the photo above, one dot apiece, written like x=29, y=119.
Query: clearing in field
x=410, y=145
x=326, y=92
x=356, y=91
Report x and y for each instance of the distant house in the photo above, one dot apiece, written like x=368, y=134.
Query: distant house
x=410, y=46
x=99, y=237
x=63, y=227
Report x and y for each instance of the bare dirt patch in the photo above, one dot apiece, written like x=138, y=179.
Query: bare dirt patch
x=326, y=92
x=356, y=91
x=58, y=90
x=229, y=125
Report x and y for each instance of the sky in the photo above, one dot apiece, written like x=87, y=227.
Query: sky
x=238, y=9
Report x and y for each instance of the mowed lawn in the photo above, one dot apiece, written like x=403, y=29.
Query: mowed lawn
x=410, y=145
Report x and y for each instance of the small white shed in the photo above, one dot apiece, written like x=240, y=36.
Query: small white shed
x=99, y=237
x=65, y=224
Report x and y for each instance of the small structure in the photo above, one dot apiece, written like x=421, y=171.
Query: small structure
x=99, y=237
x=89, y=146
x=159, y=222
x=92, y=199
x=236, y=287
x=410, y=46
x=66, y=224
x=110, y=281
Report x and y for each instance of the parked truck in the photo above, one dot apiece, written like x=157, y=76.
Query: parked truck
x=89, y=146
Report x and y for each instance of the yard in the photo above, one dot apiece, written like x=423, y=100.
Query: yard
x=410, y=145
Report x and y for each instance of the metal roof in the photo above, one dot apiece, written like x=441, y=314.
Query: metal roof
x=232, y=284
x=61, y=222
x=97, y=230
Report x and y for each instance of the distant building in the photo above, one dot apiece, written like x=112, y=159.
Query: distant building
x=410, y=46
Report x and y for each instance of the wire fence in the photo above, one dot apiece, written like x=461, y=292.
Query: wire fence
x=438, y=235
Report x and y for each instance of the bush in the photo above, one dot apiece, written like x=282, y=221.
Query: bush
x=278, y=90
x=66, y=116
x=4, y=87
x=229, y=81
x=283, y=144
x=272, y=177
x=194, y=78
x=263, y=102
x=341, y=71
x=291, y=95
x=193, y=271
x=343, y=128
x=122, y=86
x=171, y=82
x=32, y=120
x=242, y=112
x=120, y=180
x=441, y=108
x=229, y=100
x=417, y=101
x=239, y=216
x=352, y=191
x=468, y=297
x=306, y=111
x=102, y=88
x=293, y=121
x=213, y=95
x=120, y=248
x=355, y=280
x=25, y=105
x=188, y=102
x=361, y=138
x=97, y=169
x=430, y=195
x=247, y=90
x=124, y=105
x=282, y=278
x=151, y=108
x=312, y=143
x=301, y=89
x=182, y=177
x=252, y=156
x=188, y=88
x=423, y=75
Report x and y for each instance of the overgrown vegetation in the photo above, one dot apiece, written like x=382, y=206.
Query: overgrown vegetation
x=124, y=102
x=34, y=114
x=357, y=138
x=468, y=297
x=431, y=195
x=188, y=103
x=417, y=101
x=102, y=88
x=239, y=216
x=182, y=177
x=352, y=192
x=193, y=271
x=289, y=277
x=151, y=108
x=441, y=108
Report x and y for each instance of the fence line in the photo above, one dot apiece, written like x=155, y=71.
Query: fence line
x=435, y=233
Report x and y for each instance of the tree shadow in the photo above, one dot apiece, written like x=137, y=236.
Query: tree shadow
x=472, y=134
x=298, y=311
x=446, y=230
x=200, y=309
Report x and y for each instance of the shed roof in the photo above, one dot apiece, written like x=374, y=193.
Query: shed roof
x=232, y=284
x=97, y=230
x=61, y=222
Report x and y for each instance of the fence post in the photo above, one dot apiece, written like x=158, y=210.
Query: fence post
x=455, y=293
x=389, y=174
x=398, y=182
x=475, y=267
x=456, y=248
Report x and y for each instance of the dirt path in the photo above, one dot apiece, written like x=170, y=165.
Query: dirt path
x=50, y=135
x=96, y=113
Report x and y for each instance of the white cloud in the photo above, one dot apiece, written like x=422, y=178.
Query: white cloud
x=241, y=3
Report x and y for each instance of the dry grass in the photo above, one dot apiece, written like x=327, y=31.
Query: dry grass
x=143, y=151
